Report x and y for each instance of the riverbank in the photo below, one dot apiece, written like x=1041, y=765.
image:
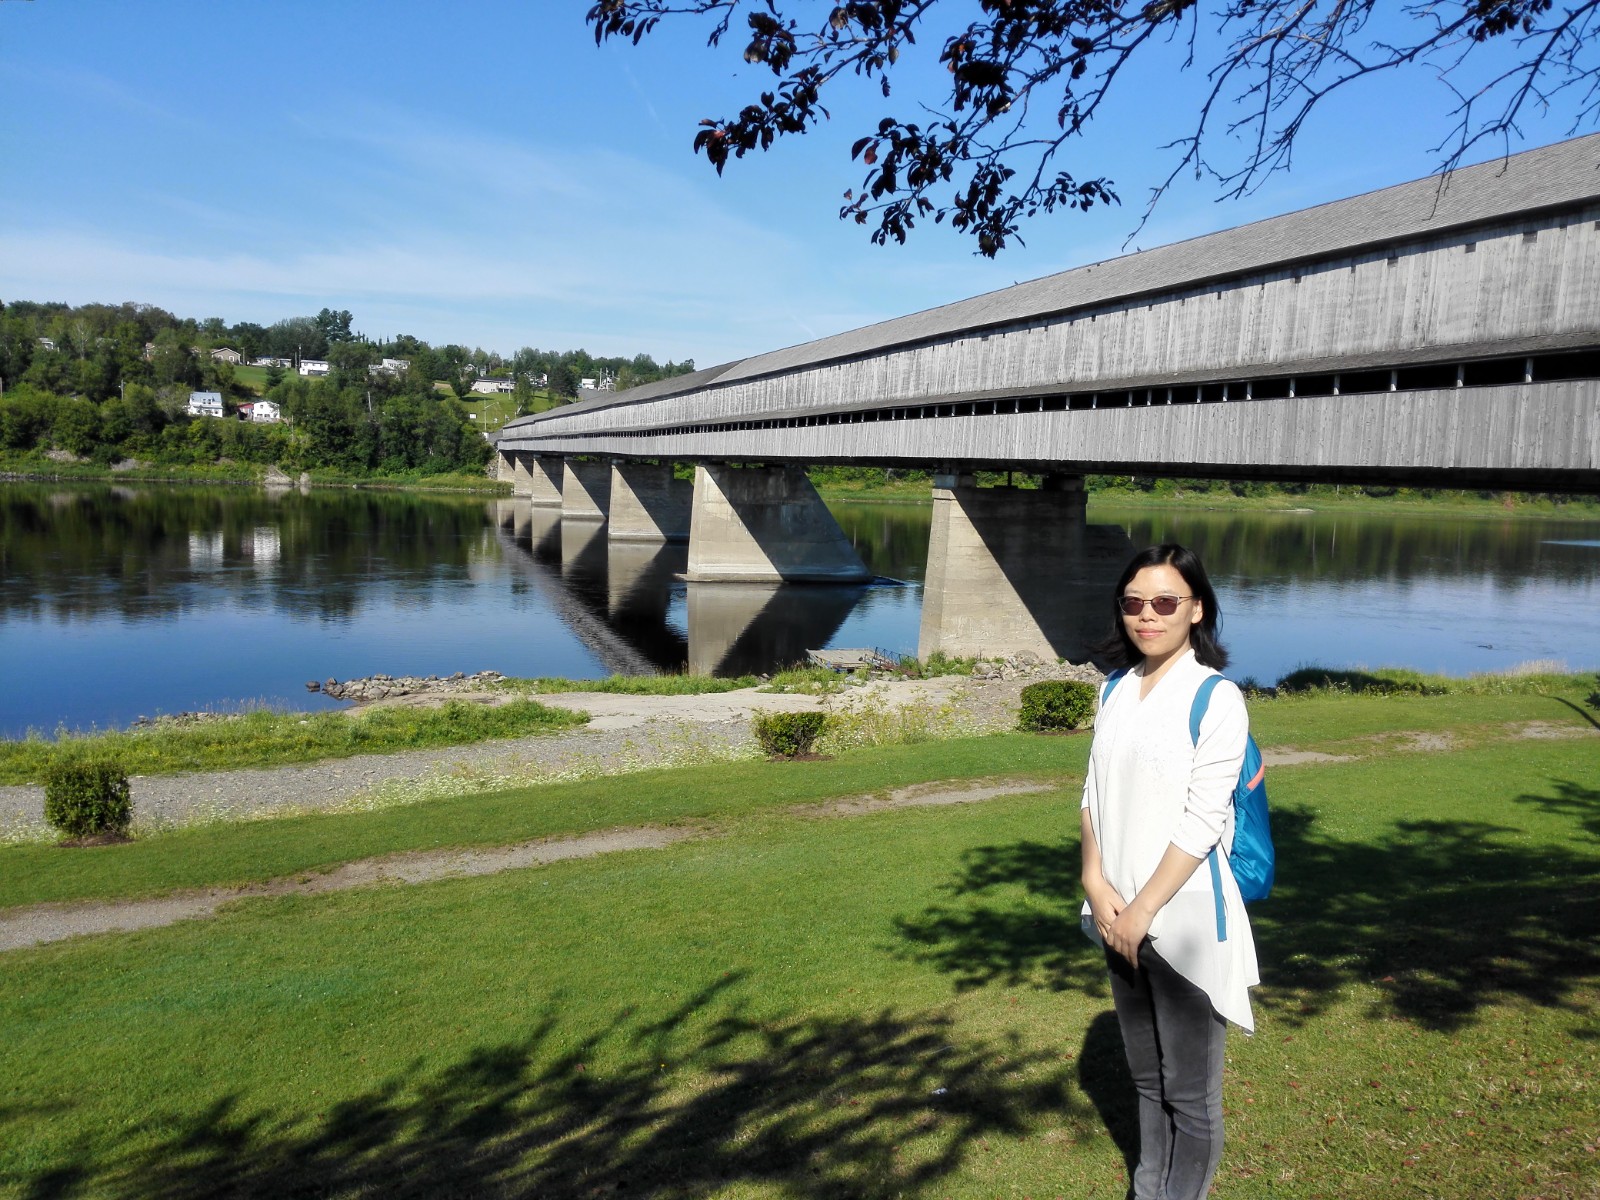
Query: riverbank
x=401, y=746
x=30, y=468
x=861, y=975
x=1319, y=498
x=1500, y=506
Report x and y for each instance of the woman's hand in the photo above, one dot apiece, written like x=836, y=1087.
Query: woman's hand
x=1127, y=931
x=1105, y=902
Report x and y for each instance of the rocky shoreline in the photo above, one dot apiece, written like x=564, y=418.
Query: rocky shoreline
x=392, y=687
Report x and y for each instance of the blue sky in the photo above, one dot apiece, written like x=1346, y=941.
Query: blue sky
x=480, y=172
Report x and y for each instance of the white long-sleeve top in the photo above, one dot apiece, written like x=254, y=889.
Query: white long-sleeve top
x=1150, y=786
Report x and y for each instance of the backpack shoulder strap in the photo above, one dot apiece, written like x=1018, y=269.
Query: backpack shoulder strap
x=1202, y=700
x=1197, y=713
x=1112, y=680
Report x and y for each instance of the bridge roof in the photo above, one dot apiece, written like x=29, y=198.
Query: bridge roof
x=1524, y=184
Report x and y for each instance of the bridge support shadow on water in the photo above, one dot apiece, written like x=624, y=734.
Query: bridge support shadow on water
x=768, y=574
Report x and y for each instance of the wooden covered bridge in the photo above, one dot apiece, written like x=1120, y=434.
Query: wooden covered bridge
x=1444, y=332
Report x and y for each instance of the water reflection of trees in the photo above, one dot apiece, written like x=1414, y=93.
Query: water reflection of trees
x=150, y=552
x=1303, y=547
x=891, y=538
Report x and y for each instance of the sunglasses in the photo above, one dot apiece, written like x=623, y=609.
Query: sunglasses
x=1165, y=606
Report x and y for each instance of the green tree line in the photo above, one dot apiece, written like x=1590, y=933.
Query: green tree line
x=112, y=382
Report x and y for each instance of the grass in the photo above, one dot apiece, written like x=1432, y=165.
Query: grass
x=268, y=738
x=852, y=484
x=1506, y=505
x=1531, y=679
x=226, y=855
x=255, y=378
x=671, y=684
x=37, y=466
x=889, y=1005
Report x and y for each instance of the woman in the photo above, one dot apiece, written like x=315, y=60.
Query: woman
x=1155, y=803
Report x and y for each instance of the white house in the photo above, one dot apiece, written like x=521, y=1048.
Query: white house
x=390, y=366
x=492, y=387
x=262, y=412
x=313, y=366
x=205, y=404
x=271, y=362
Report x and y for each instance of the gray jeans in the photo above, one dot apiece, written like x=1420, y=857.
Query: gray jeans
x=1174, y=1042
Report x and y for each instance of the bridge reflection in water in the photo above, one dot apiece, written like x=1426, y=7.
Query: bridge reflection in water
x=630, y=605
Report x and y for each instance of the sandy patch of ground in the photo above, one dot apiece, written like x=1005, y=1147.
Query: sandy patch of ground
x=1544, y=730
x=608, y=711
x=1288, y=756
x=925, y=795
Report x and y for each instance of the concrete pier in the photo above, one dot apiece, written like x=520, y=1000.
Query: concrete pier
x=1012, y=570
x=649, y=503
x=538, y=478
x=766, y=525
x=586, y=490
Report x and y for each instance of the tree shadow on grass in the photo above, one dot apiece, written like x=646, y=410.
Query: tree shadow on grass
x=1573, y=800
x=1443, y=916
x=710, y=1096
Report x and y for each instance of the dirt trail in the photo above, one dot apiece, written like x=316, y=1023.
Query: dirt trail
x=41, y=923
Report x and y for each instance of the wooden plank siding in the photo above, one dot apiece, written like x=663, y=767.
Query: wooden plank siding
x=1518, y=430
x=1523, y=282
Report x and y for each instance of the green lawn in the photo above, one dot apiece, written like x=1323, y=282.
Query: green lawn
x=267, y=738
x=255, y=378
x=895, y=1004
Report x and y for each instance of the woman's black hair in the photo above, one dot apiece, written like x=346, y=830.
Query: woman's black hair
x=1119, y=650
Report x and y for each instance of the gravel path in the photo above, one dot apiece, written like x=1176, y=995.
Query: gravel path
x=624, y=733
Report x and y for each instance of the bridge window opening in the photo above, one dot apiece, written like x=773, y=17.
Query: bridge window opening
x=1531, y=235
x=1470, y=248
x=1356, y=382
x=1113, y=399
x=1583, y=365
x=1494, y=371
x=1080, y=403
x=1435, y=375
x=1316, y=385
x=1213, y=393
x=1268, y=389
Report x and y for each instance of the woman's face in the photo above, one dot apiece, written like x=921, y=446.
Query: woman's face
x=1159, y=637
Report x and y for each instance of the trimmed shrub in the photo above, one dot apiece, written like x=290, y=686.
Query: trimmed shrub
x=1056, y=704
x=85, y=797
x=788, y=734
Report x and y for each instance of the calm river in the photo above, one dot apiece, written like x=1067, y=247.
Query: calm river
x=117, y=602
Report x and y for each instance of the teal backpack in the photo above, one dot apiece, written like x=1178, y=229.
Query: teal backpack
x=1252, y=857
